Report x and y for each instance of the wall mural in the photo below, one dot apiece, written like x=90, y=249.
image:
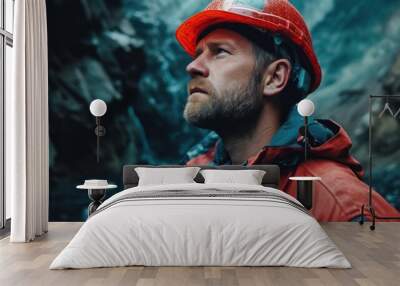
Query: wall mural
x=125, y=53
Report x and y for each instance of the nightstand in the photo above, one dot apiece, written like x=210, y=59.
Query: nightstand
x=305, y=187
x=96, y=192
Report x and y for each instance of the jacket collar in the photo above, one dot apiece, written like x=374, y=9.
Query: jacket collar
x=287, y=136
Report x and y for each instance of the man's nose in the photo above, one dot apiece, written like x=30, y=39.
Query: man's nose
x=197, y=68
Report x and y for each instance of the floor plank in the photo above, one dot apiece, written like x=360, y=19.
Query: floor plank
x=374, y=255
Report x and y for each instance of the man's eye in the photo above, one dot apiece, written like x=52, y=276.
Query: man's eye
x=221, y=52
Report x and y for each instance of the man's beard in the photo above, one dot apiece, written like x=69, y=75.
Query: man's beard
x=236, y=109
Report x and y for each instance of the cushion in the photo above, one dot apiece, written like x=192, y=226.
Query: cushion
x=248, y=177
x=162, y=176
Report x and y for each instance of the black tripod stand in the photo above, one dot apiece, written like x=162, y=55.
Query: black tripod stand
x=370, y=206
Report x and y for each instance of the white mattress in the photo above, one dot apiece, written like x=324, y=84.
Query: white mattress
x=183, y=231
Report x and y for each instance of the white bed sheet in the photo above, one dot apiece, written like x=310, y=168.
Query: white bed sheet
x=200, y=231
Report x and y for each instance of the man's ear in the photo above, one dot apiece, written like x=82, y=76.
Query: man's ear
x=276, y=77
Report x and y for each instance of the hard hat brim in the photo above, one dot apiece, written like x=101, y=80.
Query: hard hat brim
x=188, y=32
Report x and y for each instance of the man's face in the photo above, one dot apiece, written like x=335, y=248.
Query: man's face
x=223, y=90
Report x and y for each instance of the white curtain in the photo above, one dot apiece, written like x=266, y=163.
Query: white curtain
x=27, y=143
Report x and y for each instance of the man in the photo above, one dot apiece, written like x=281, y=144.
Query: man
x=253, y=61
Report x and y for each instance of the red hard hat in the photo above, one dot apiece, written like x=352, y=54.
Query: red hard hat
x=277, y=16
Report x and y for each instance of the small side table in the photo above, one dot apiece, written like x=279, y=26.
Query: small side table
x=305, y=187
x=96, y=192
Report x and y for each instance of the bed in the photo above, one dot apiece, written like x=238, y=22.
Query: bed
x=201, y=224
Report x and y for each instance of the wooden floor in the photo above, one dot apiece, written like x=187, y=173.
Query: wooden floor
x=375, y=257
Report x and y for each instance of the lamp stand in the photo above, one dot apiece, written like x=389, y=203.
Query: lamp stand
x=99, y=131
x=305, y=138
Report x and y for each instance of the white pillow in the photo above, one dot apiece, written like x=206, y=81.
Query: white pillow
x=162, y=176
x=248, y=177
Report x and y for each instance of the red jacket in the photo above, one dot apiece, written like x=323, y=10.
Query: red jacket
x=339, y=195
